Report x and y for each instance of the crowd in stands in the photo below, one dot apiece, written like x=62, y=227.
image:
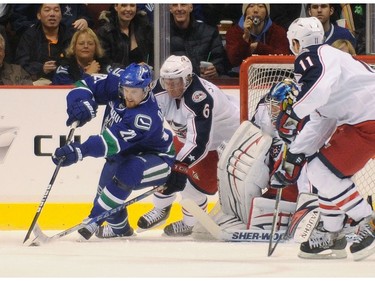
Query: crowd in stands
x=60, y=43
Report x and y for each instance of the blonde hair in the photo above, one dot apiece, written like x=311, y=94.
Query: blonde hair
x=2, y=41
x=340, y=43
x=99, y=51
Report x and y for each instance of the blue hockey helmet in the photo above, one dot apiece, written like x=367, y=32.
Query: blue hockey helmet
x=280, y=95
x=136, y=76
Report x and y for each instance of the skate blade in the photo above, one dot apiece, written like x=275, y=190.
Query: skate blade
x=361, y=255
x=324, y=255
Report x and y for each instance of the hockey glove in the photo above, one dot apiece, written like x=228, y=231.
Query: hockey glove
x=177, y=179
x=288, y=170
x=69, y=154
x=82, y=111
x=288, y=124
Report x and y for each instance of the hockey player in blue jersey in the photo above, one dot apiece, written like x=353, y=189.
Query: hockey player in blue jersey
x=139, y=151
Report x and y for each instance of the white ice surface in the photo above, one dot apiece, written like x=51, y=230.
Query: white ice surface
x=150, y=254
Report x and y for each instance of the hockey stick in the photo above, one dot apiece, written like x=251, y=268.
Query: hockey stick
x=43, y=238
x=271, y=248
x=238, y=235
x=49, y=187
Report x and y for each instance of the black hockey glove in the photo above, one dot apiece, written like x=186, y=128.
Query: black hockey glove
x=69, y=154
x=82, y=111
x=177, y=179
x=288, y=170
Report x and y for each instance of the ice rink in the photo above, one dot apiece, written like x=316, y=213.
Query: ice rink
x=152, y=255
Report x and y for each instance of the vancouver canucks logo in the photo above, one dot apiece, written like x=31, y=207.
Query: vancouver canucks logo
x=143, y=122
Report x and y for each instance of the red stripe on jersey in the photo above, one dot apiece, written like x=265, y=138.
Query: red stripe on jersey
x=328, y=207
x=348, y=199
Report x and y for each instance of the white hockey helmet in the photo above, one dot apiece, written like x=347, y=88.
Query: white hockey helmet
x=308, y=31
x=177, y=67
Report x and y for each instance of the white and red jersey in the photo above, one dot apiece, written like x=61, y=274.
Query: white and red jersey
x=202, y=119
x=334, y=84
x=336, y=89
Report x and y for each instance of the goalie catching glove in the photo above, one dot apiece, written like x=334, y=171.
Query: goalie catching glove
x=288, y=170
x=69, y=154
x=177, y=179
x=82, y=111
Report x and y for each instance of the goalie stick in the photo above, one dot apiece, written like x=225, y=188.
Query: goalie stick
x=42, y=238
x=214, y=229
x=49, y=187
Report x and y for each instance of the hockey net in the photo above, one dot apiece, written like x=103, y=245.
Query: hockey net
x=259, y=73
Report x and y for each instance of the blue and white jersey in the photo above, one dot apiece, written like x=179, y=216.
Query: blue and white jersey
x=336, y=89
x=202, y=119
x=334, y=84
x=125, y=130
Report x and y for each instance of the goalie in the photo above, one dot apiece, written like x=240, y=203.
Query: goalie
x=246, y=164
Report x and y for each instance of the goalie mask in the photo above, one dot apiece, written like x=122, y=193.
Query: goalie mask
x=307, y=31
x=134, y=84
x=176, y=75
x=281, y=94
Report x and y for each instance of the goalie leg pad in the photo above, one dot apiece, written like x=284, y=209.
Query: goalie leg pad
x=305, y=218
x=242, y=169
x=261, y=214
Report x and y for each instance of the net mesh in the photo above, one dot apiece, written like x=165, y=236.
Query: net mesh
x=261, y=77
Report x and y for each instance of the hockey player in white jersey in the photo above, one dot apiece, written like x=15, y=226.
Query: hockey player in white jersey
x=245, y=165
x=337, y=92
x=202, y=117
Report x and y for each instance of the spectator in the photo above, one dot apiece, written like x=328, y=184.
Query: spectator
x=255, y=33
x=344, y=45
x=331, y=32
x=42, y=45
x=127, y=37
x=84, y=57
x=74, y=16
x=11, y=74
x=196, y=40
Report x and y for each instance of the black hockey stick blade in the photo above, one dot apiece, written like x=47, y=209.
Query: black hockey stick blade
x=271, y=247
x=41, y=238
x=49, y=187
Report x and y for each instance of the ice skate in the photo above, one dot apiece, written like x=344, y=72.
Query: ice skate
x=178, y=228
x=364, y=246
x=323, y=244
x=88, y=231
x=107, y=231
x=153, y=218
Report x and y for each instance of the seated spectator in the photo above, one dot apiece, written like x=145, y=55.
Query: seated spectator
x=74, y=16
x=11, y=74
x=196, y=40
x=332, y=32
x=42, y=46
x=344, y=45
x=127, y=37
x=255, y=33
x=84, y=57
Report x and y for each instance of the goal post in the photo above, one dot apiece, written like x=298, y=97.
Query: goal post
x=259, y=73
